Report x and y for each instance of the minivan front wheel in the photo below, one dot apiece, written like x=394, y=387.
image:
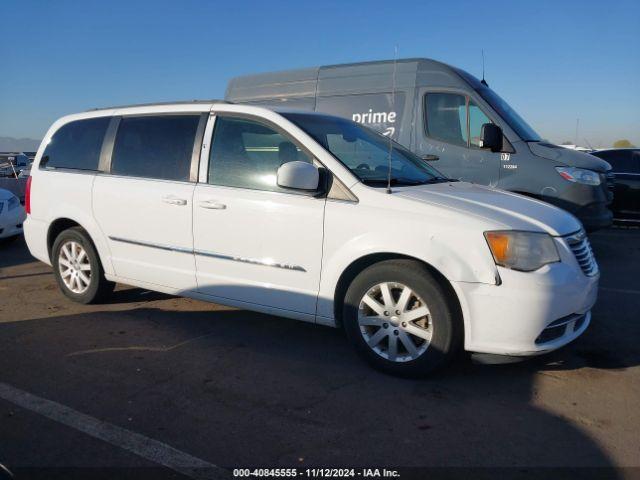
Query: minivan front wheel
x=77, y=267
x=401, y=319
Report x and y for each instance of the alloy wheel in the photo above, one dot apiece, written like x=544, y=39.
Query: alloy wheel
x=74, y=266
x=395, y=322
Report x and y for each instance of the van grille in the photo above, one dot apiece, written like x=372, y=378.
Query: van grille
x=579, y=244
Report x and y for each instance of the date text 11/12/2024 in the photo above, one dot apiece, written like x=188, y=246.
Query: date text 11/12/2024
x=315, y=473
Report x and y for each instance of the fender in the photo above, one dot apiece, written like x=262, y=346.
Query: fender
x=82, y=216
x=455, y=259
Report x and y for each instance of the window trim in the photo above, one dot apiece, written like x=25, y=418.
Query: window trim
x=326, y=177
x=106, y=154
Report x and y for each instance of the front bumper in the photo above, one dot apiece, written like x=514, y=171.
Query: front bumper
x=509, y=319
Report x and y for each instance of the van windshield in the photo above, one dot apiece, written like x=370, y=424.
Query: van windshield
x=366, y=152
x=509, y=115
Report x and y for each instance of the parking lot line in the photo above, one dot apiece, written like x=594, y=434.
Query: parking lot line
x=136, y=443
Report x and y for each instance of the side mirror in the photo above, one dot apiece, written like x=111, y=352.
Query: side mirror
x=491, y=137
x=298, y=176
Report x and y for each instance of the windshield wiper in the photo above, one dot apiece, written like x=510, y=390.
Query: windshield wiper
x=394, y=182
x=440, y=180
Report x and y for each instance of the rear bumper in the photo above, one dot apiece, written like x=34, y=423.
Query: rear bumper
x=35, y=234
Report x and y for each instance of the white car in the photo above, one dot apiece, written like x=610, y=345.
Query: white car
x=12, y=216
x=289, y=213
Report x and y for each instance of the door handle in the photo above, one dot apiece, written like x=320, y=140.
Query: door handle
x=174, y=200
x=430, y=158
x=212, y=205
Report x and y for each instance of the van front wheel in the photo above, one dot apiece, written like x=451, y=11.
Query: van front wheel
x=400, y=319
x=77, y=267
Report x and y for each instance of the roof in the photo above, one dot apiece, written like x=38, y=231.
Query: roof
x=345, y=79
x=157, y=104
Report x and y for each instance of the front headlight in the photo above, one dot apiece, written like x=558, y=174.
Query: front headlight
x=579, y=175
x=13, y=203
x=524, y=251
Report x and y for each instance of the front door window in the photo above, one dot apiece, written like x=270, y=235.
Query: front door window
x=247, y=154
x=454, y=118
x=446, y=117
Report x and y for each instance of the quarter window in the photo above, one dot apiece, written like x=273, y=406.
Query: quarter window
x=76, y=145
x=155, y=146
x=247, y=154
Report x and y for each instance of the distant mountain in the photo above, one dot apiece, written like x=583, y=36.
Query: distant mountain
x=10, y=144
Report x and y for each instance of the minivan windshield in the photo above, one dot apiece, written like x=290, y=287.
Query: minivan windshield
x=509, y=115
x=366, y=152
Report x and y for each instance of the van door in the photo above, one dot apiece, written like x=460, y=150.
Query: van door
x=255, y=243
x=143, y=205
x=450, y=137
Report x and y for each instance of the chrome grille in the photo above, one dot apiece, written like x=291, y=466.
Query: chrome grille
x=581, y=248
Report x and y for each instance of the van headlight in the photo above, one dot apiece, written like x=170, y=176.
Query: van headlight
x=523, y=251
x=579, y=175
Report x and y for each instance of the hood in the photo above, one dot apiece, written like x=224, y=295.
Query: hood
x=568, y=157
x=511, y=211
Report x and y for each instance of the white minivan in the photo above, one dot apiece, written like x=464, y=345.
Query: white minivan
x=289, y=213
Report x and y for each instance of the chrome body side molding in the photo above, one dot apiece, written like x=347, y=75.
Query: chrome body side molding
x=255, y=261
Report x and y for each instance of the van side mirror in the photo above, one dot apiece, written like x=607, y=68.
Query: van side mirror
x=298, y=175
x=491, y=137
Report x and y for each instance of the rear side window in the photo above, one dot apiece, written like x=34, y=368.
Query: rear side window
x=446, y=115
x=76, y=145
x=158, y=147
x=247, y=154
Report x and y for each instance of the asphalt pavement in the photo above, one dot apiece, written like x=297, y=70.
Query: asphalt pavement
x=173, y=387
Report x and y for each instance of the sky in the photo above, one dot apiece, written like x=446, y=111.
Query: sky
x=553, y=61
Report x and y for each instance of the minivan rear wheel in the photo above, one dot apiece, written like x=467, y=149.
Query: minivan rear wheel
x=401, y=319
x=77, y=267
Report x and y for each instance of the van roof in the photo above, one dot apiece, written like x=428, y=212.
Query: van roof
x=346, y=79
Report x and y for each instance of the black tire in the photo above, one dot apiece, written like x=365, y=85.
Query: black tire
x=447, y=327
x=99, y=287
